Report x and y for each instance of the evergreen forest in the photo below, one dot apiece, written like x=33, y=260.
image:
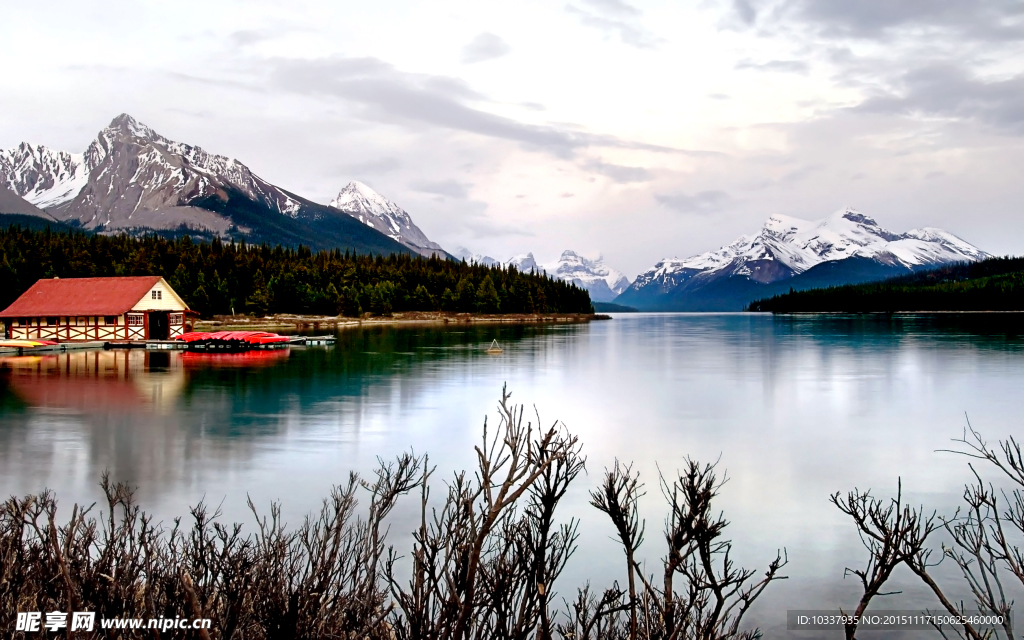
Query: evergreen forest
x=995, y=284
x=216, y=277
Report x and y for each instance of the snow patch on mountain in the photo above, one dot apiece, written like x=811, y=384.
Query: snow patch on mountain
x=787, y=246
x=44, y=177
x=374, y=210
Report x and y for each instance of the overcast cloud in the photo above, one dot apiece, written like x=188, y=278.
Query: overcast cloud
x=485, y=46
x=635, y=129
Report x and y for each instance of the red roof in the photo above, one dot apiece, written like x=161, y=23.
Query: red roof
x=81, y=297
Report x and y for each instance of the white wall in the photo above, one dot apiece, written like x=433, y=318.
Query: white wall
x=169, y=301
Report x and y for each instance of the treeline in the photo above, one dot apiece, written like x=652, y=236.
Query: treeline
x=996, y=284
x=218, y=278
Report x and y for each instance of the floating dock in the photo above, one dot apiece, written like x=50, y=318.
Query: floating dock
x=313, y=341
x=156, y=345
x=53, y=348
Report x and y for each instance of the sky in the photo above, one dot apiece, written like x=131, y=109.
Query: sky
x=636, y=130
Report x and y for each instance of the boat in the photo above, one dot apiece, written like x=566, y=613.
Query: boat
x=232, y=340
x=27, y=344
x=494, y=348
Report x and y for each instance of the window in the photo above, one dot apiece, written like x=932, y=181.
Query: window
x=176, y=318
x=109, y=319
x=51, y=322
x=135, y=320
x=156, y=295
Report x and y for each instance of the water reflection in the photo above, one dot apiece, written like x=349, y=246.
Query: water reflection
x=796, y=407
x=96, y=381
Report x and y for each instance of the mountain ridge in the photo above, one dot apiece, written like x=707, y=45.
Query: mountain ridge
x=601, y=281
x=372, y=209
x=132, y=179
x=845, y=247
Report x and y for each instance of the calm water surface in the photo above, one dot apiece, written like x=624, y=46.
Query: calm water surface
x=794, y=408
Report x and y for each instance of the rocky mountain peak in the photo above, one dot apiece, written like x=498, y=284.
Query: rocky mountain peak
x=126, y=125
x=857, y=217
x=603, y=282
x=372, y=209
x=524, y=262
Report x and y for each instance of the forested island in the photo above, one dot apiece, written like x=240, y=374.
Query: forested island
x=225, y=278
x=996, y=284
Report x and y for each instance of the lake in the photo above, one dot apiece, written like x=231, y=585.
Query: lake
x=794, y=409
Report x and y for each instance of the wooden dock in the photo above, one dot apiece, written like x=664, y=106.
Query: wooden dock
x=52, y=348
x=313, y=341
x=148, y=345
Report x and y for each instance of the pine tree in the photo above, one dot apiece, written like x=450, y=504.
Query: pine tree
x=422, y=300
x=487, y=300
x=332, y=300
x=258, y=301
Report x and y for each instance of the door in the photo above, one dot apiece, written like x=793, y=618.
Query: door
x=159, y=325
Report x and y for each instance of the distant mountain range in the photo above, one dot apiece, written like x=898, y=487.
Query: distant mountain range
x=131, y=179
x=790, y=253
x=601, y=281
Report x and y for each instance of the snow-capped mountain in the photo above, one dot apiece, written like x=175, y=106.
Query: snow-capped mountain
x=844, y=247
x=374, y=210
x=462, y=253
x=603, y=282
x=524, y=262
x=43, y=177
x=132, y=178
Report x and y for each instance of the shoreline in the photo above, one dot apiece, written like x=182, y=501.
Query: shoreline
x=316, y=323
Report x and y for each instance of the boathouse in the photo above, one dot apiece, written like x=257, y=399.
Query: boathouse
x=129, y=308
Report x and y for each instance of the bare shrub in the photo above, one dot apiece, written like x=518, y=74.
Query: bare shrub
x=987, y=536
x=702, y=593
x=484, y=562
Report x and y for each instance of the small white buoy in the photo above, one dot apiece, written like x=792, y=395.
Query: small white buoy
x=494, y=348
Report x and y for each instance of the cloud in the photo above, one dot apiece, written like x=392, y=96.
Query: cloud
x=449, y=188
x=784, y=66
x=745, y=11
x=485, y=228
x=250, y=36
x=629, y=33
x=379, y=92
x=700, y=202
x=374, y=167
x=620, y=173
x=615, y=7
x=985, y=19
x=950, y=91
x=485, y=46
